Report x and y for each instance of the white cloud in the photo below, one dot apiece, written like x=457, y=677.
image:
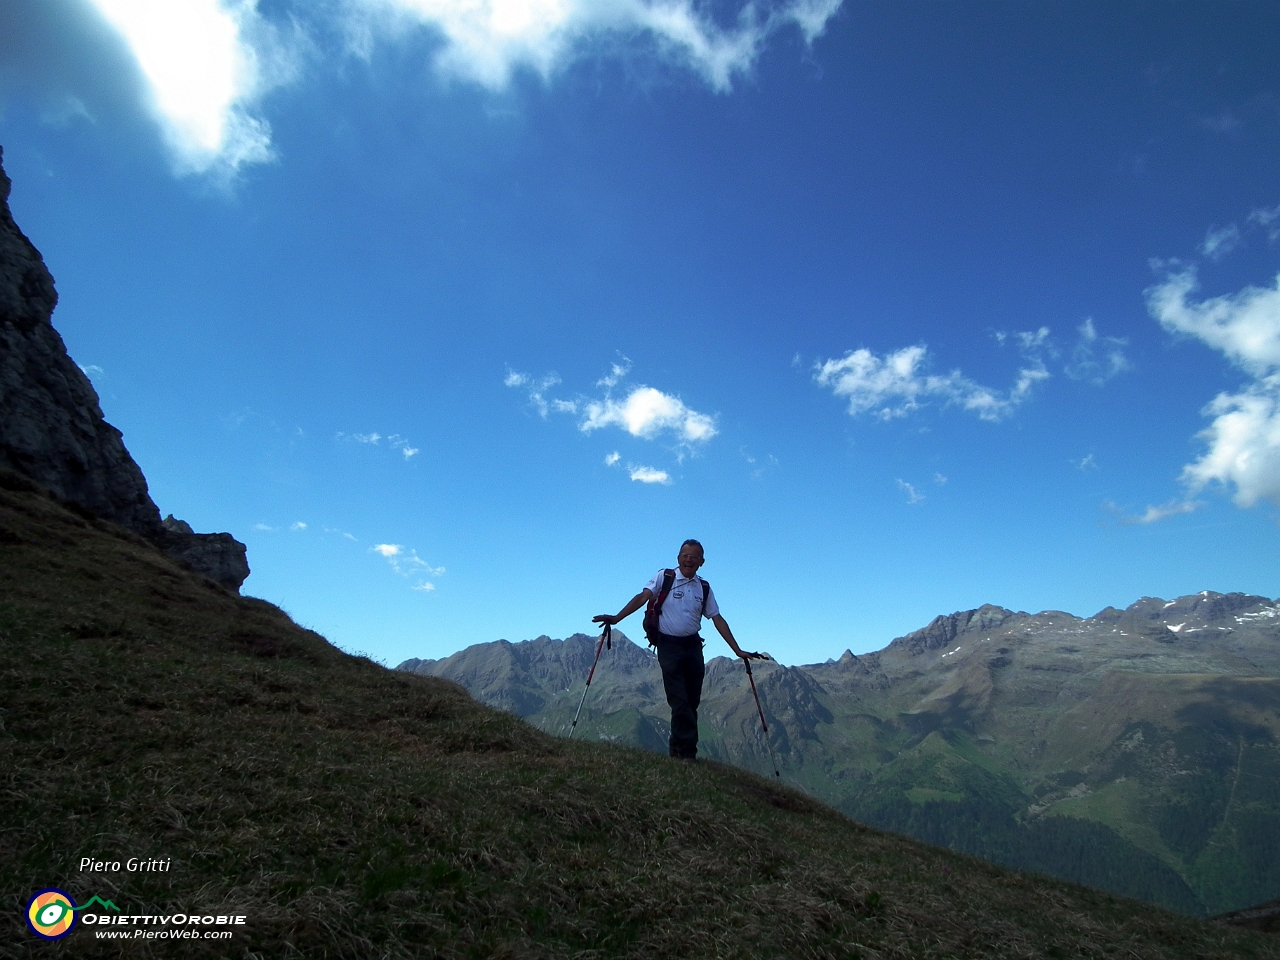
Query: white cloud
x=939, y=479
x=487, y=41
x=537, y=389
x=1175, y=507
x=1243, y=444
x=406, y=562
x=1086, y=463
x=1268, y=219
x=297, y=525
x=205, y=63
x=263, y=527
x=1096, y=358
x=612, y=459
x=1245, y=326
x=649, y=475
x=1219, y=241
x=201, y=68
x=1243, y=441
x=615, y=375
x=394, y=441
x=91, y=371
x=910, y=491
x=898, y=383
x=645, y=413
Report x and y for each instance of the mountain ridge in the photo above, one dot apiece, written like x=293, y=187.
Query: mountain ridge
x=1135, y=749
x=352, y=811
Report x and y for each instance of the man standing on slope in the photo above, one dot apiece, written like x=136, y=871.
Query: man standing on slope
x=687, y=600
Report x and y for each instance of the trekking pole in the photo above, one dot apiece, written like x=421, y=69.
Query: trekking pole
x=606, y=636
x=760, y=710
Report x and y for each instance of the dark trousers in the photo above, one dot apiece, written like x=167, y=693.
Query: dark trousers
x=682, y=670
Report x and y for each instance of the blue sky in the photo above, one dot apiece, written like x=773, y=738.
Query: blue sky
x=463, y=315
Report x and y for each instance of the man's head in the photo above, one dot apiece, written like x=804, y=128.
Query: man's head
x=690, y=558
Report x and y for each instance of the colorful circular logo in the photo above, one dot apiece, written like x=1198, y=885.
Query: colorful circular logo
x=51, y=914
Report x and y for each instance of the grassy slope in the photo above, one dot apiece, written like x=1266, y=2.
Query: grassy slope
x=1148, y=769
x=354, y=812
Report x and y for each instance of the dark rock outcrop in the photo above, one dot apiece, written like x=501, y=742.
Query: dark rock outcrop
x=51, y=425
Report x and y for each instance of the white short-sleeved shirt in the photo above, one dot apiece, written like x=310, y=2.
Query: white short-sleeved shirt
x=682, y=610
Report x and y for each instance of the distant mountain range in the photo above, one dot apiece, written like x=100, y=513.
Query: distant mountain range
x=1137, y=750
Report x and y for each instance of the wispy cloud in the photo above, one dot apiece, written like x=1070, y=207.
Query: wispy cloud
x=612, y=459
x=265, y=528
x=759, y=468
x=393, y=441
x=536, y=389
x=1153, y=514
x=487, y=41
x=297, y=525
x=1095, y=358
x=1268, y=218
x=1243, y=441
x=899, y=383
x=615, y=375
x=1086, y=463
x=912, y=495
x=1219, y=241
x=649, y=475
x=406, y=562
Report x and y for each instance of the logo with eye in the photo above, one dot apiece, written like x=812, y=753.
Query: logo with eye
x=51, y=914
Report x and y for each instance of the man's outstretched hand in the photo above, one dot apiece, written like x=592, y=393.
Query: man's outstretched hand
x=608, y=618
x=754, y=656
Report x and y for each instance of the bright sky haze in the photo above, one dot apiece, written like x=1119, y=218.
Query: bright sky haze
x=463, y=314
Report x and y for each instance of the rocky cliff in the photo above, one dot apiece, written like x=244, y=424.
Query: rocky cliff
x=51, y=425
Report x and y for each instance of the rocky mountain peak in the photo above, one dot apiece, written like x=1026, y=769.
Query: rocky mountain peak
x=944, y=630
x=51, y=426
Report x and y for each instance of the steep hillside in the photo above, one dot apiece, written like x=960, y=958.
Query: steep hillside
x=350, y=811
x=1137, y=750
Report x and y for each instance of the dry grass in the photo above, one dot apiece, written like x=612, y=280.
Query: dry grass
x=353, y=812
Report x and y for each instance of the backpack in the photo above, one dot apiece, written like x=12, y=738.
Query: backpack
x=654, y=610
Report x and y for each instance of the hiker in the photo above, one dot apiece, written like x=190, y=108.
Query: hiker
x=680, y=599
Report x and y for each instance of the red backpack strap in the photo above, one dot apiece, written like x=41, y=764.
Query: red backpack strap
x=668, y=578
x=655, y=606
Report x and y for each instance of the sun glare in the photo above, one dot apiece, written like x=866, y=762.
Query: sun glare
x=191, y=54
